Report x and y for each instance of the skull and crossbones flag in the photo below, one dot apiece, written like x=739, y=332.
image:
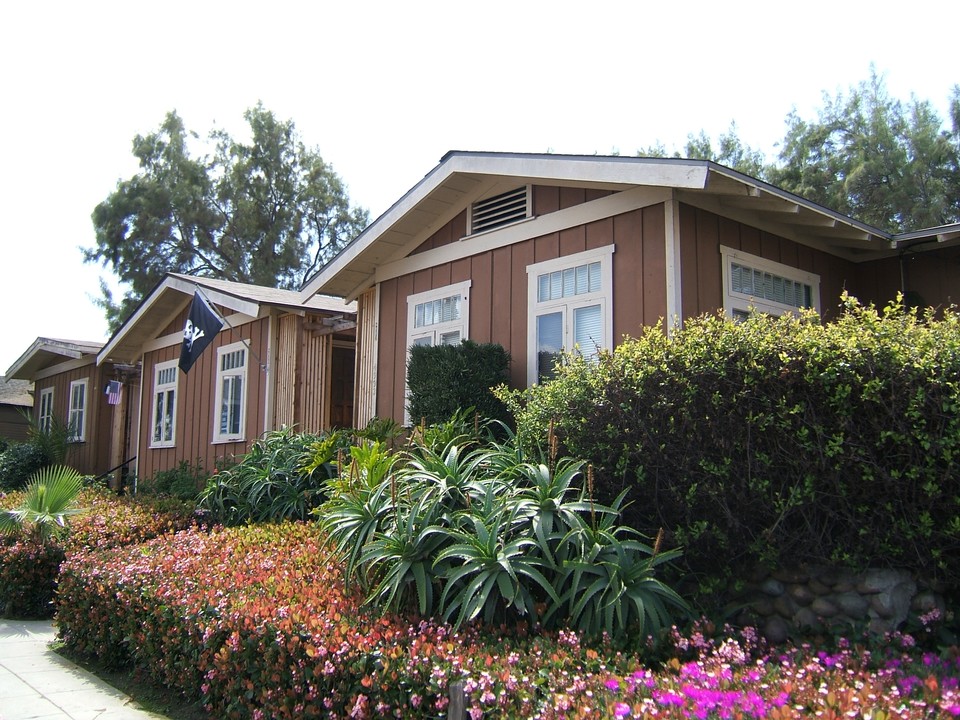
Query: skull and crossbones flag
x=201, y=327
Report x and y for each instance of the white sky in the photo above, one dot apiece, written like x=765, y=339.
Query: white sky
x=384, y=89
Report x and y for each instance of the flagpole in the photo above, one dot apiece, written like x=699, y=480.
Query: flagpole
x=210, y=304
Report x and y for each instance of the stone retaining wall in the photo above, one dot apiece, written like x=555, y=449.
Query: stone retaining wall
x=789, y=602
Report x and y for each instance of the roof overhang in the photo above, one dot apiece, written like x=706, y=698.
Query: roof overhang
x=464, y=177
x=46, y=352
x=175, y=292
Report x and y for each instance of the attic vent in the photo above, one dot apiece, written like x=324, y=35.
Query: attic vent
x=500, y=210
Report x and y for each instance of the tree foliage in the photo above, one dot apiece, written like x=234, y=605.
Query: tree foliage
x=890, y=164
x=268, y=211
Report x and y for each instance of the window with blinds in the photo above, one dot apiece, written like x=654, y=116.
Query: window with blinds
x=755, y=284
x=568, y=299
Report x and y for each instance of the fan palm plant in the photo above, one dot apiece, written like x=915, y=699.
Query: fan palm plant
x=50, y=499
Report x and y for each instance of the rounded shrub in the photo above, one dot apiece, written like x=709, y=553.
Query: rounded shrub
x=775, y=440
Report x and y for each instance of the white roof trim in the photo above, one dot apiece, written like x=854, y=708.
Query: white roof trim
x=671, y=173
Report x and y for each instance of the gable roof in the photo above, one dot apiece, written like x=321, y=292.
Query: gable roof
x=461, y=178
x=174, y=293
x=46, y=352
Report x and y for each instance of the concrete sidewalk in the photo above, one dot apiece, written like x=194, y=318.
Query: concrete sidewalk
x=36, y=682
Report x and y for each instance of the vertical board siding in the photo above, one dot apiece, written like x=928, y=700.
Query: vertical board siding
x=92, y=456
x=365, y=388
x=286, y=371
x=703, y=232
x=315, y=382
x=196, y=394
x=498, y=292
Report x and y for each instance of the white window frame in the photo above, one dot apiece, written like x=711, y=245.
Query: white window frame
x=435, y=331
x=45, y=409
x=78, y=430
x=737, y=304
x=237, y=372
x=164, y=389
x=567, y=305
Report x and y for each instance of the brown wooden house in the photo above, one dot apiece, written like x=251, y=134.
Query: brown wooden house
x=276, y=362
x=547, y=252
x=69, y=387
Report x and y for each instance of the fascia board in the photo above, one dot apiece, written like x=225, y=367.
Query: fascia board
x=581, y=214
x=668, y=173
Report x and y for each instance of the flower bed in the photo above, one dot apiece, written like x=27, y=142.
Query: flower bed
x=28, y=569
x=256, y=622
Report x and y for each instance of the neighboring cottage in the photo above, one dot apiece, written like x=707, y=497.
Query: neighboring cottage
x=548, y=252
x=16, y=403
x=276, y=362
x=70, y=387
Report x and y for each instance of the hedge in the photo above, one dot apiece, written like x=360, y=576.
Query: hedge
x=775, y=440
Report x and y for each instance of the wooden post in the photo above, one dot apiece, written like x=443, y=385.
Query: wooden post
x=457, y=709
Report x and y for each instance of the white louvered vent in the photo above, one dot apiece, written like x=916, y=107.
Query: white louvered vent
x=500, y=210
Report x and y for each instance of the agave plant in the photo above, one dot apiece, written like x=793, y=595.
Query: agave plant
x=608, y=582
x=50, y=498
x=494, y=569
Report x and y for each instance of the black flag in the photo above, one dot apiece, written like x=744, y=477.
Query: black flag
x=202, y=326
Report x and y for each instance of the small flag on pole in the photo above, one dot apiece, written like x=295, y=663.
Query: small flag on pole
x=113, y=392
x=201, y=327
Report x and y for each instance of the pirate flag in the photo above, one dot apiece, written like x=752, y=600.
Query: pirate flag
x=201, y=327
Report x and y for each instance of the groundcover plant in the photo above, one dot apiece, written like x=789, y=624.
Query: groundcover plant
x=256, y=622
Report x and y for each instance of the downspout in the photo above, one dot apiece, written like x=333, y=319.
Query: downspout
x=671, y=213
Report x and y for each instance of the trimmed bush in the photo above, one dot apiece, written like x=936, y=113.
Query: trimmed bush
x=18, y=462
x=777, y=441
x=446, y=379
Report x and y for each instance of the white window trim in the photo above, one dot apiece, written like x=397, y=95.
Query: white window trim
x=45, y=409
x=733, y=302
x=79, y=434
x=164, y=388
x=219, y=437
x=463, y=325
x=534, y=307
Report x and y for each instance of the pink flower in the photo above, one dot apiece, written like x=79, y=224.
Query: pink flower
x=621, y=710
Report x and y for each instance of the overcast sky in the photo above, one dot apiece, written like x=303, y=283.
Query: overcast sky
x=385, y=89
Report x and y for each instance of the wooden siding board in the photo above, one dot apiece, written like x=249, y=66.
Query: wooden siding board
x=522, y=256
x=573, y=240
x=546, y=247
x=546, y=199
x=389, y=356
x=570, y=196
x=481, y=298
x=599, y=234
x=502, y=301
x=627, y=279
x=654, y=265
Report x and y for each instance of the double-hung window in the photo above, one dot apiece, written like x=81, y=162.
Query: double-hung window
x=754, y=283
x=231, y=394
x=569, y=299
x=164, y=405
x=77, y=411
x=439, y=317
x=45, y=416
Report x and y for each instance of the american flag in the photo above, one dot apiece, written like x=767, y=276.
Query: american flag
x=113, y=392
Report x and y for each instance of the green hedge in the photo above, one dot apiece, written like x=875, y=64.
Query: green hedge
x=776, y=441
x=445, y=379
